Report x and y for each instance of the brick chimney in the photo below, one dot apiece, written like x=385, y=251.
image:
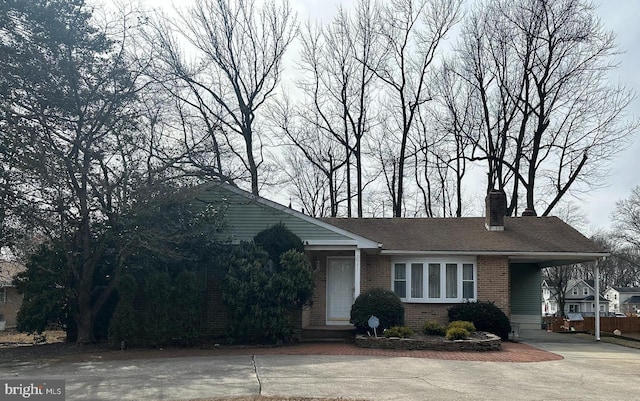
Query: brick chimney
x=496, y=204
x=529, y=212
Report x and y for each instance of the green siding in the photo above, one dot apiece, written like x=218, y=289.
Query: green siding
x=526, y=296
x=244, y=217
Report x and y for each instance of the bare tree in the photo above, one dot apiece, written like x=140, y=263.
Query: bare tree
x=11, y=187
x=325, y=158
x=627, y=218
x=558, y=277
x=550, y=118
x=309, y=186
x=411, y=32
x=446, y=128
x=233, y=67
x=337, y=85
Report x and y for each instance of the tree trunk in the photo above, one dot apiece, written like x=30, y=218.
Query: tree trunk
x=359, y=176
x=253, y=167
x=85, y=319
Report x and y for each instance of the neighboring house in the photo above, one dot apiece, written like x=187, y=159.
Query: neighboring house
x=579, y=298
x=10, y=300
x=623, y=299
x=631, y=305
x=431, y=263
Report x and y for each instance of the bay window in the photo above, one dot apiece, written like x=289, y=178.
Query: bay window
x=436, y=280
x=416, y=280
x=400, y=279
x=468, y=281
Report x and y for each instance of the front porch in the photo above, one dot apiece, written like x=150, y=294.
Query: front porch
x=340, y=275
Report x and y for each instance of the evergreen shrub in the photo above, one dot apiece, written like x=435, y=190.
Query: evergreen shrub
x=378, y=302
x=398, y=331
x=468, y=326
x=124, y=321
x=266, y=282
x=457, y=333
x=485, y=316
x=433, y=329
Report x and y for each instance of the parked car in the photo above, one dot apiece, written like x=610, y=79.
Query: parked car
x=619, y=314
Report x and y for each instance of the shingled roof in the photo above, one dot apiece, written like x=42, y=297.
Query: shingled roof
x=521, y=235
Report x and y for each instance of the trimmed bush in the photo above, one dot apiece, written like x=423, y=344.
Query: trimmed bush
x=433, y=329
x=468, y=326
x=187, y=306
x=157, y=323
x=457, y=333
x=277, y=240
x=485, y=316
x=124, y=322
x=398, y=331
x=260, y=299
x=378, y=302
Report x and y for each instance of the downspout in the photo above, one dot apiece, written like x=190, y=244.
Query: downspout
x=596, y=274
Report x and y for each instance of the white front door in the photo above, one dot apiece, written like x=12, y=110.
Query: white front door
x=340, y=289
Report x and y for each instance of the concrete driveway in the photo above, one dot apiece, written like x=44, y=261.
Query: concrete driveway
x=589, y=371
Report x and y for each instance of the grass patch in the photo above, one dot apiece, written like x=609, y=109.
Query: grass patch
x=13, y=337
x=616, y=340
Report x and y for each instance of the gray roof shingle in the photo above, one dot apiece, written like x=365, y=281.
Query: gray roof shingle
x=468, y=234
x=627, y=289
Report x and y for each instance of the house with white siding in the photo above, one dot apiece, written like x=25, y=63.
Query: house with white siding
x=623, y=299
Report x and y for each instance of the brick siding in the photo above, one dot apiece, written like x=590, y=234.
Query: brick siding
x=376, y=272
x=494, y=282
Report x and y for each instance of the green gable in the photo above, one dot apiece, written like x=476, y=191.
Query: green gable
x=246, y=215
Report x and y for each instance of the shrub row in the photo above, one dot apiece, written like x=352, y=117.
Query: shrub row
x=388, y=308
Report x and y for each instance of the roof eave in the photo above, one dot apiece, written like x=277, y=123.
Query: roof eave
x=539, y=257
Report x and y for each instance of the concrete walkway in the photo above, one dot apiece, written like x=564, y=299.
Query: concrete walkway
x=589, y=371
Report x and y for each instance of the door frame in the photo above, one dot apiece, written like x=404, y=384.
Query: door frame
x=327, y=287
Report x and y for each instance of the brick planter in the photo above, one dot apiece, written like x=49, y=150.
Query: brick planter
x=479, y=342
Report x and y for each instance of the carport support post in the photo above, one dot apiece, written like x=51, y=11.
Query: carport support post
x=596, y=276
x=356, y=281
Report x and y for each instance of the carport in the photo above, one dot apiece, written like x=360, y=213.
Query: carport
x=525, y=275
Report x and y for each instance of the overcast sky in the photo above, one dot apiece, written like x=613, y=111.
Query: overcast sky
x=621, y=16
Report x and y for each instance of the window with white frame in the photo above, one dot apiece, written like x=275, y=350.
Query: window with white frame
x=585, y=291
x=434, y=279
x=574, y=291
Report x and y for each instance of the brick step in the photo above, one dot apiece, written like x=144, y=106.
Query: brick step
x=328, y=333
